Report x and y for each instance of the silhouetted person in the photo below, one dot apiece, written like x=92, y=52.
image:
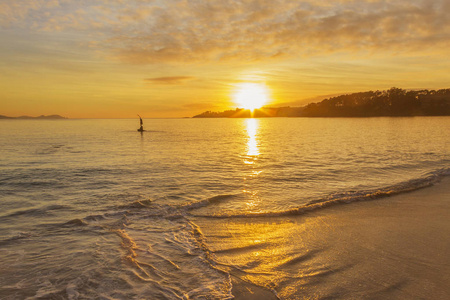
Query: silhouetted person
x=141, y=128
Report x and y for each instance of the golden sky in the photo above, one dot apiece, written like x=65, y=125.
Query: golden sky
x=178, y=58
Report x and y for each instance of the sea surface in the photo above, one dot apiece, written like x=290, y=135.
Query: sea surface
x=95, y=209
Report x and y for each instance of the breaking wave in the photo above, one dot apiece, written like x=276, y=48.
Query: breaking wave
x=348, y=197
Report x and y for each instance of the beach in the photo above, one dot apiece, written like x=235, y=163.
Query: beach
x=219, y=150
x=390, y=248
x=225, y=209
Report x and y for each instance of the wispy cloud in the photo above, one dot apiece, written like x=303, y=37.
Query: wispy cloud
x=169, y=80
x=150, y=31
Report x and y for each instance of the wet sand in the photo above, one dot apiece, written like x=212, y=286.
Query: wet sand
x=389, y=248
x=243, y=290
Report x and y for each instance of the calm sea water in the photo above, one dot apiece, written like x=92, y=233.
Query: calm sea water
x=95, y=209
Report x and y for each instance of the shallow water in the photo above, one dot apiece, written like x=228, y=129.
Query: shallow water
x=93, y=208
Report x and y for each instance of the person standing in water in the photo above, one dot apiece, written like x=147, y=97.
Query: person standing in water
x=141, y=128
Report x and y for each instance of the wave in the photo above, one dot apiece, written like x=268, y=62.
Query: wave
x=137, y=204
x=95, y=218
x=355, y=196
x=172, y=210
x=50, y=149
x=208, y=201
x=36, y=211
x=76, y=222
x=15, y=237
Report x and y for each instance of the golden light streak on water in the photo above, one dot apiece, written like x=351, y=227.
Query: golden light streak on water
x=252, y=144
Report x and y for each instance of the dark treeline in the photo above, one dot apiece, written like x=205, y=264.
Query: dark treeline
x=393, y=102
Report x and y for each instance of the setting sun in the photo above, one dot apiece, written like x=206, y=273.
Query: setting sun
x=224, y=149
x=251, y=95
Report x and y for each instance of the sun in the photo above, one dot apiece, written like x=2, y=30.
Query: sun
x=251, y=95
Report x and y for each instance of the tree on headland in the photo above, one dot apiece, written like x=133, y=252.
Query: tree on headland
x=393, y=102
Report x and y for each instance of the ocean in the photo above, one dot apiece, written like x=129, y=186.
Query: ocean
x=213, y=208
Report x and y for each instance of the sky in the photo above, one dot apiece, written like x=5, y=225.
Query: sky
x=179, y=58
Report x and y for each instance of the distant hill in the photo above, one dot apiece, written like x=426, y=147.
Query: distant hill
x=258, y=113
x=393, y=102
x=42, y=117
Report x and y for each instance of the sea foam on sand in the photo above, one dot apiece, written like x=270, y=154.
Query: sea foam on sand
x=390, y=248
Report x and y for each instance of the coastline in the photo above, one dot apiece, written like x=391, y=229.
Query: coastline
x=243, y=290
x=394, y=247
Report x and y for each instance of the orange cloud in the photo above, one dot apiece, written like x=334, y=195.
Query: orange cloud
x=177, y=31
x=169, y=80
x=265, y=30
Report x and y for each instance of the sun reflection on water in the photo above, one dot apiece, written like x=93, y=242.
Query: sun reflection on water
x=250, y=159
x=252, y=144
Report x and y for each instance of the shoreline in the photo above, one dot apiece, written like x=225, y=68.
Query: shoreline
x=243, y=290
x=393, y=247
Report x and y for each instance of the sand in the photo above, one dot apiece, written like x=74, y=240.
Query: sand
x=246, y=291
x=390, y=248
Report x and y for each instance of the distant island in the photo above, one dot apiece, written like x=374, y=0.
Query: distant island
x=394, y=102
x=41, y=117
